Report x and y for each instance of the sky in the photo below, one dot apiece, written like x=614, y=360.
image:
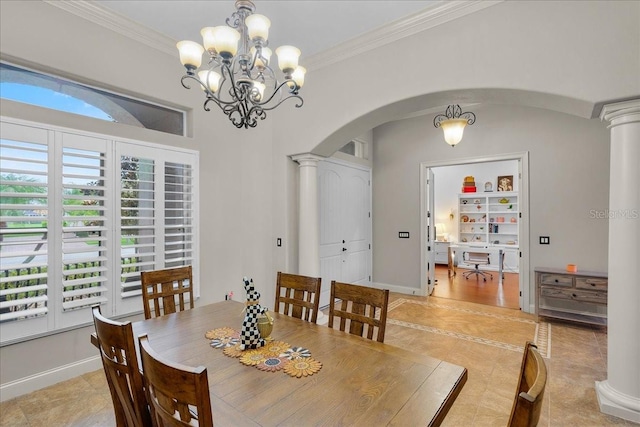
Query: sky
x=50, y=99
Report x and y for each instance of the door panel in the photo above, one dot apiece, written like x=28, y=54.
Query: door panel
x=345, y=225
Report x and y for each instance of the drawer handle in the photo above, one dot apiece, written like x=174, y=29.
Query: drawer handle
x=592, y=284
x=556, y=280
x=574, y=295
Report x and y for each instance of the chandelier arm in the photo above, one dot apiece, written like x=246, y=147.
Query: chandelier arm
x=283, y=100
x=189, y=76
x=230, y=111
x=293, y=91
x=469, y=117
x=438, y=119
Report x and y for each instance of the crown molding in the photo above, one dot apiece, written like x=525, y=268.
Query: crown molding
x=118, y=23
x=404, y=27
x=421, y=21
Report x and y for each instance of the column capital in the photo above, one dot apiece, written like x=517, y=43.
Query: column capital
x=307, y=159
x=620, y=113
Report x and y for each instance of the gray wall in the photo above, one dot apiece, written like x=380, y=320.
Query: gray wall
x=569, y=177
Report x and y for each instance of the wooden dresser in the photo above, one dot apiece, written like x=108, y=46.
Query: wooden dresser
x=579, y=297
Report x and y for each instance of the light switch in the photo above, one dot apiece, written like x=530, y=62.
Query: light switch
x=544, y=240
x=403, y=234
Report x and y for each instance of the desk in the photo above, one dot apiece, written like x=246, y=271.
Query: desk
x=477, y=248
x=362, y=382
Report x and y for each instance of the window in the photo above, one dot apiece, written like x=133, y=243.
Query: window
x=30, y=87
x=81, y=216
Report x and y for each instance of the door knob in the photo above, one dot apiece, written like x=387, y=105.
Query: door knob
x=343, y=241
x=344, y=249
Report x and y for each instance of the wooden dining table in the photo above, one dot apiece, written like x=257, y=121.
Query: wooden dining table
x=361, y=382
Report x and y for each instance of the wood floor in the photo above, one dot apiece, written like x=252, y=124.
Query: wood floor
x=476, y=290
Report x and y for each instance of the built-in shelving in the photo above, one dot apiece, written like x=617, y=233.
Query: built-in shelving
x=491, y=219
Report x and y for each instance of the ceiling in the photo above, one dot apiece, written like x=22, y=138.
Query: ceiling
x=312, y=26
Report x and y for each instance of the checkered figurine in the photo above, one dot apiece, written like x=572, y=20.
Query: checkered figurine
x=249, y=335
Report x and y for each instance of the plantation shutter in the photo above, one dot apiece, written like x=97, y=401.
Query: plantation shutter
x=137, y=222
x=81, y=216
x=178, y=215
x=24, y=233
x=85, y=237
x=156, y=215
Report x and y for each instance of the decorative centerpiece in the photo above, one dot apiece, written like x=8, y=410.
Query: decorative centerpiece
x=265, y=326
x=249, y=334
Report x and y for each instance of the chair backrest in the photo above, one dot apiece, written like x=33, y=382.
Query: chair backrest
x=360, y=305
x=478, y=257
x=120, y=362
x=178, y=395
x=298, y=295
x=163, y=291
x=531, y=384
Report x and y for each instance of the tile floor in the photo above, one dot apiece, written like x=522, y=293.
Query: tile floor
x=577, y=359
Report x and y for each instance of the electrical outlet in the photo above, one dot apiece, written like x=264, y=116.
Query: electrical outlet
x=278, y=242
x=544, y=240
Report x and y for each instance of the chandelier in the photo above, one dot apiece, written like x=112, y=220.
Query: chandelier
x=453, y=122
x=239, y=78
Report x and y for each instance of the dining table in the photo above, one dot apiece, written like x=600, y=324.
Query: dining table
x=360, y=382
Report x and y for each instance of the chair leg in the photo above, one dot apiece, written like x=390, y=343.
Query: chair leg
x=478, y=272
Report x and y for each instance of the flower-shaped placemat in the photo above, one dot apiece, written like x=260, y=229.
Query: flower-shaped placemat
x=273, y=356
x=221, y=333
x=272, y=364
x=252, y=357
x=302, y=367
x=234, y=351
x=275, y=348
x=225, y=342
x=295, y=353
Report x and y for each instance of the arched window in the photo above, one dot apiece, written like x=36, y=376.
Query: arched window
x=30, y=87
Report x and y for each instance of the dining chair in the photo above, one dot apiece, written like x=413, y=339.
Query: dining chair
x=298, y=295
x=360, y=305
x=527, y=404
x=178, y=395
x=163, y=291
x=477, y=259
x=120, y=362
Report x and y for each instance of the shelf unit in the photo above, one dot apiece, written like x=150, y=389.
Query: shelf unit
x=489, y=218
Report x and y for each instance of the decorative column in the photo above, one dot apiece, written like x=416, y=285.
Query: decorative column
x=308, y=219
x=619, y=394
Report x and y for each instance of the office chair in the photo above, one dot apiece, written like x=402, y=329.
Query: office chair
x=477, y=259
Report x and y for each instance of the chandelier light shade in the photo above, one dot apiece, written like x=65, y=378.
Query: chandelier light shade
x=238, y=76
x=453, y=122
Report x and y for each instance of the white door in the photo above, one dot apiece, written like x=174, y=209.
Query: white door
x=431, y=232
x=345, y=225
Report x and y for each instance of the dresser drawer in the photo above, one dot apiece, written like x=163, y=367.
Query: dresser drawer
x=595, y=297
x=556, y=292
x=595, y=283
x=556, y=280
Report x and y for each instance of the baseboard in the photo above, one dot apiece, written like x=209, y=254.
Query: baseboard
x=395, y=288
x=47, y=378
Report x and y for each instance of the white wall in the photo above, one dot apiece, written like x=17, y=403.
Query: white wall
x=448, y=182
x=569, y=177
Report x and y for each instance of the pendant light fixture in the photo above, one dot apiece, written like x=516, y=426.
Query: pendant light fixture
x=453, y=122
